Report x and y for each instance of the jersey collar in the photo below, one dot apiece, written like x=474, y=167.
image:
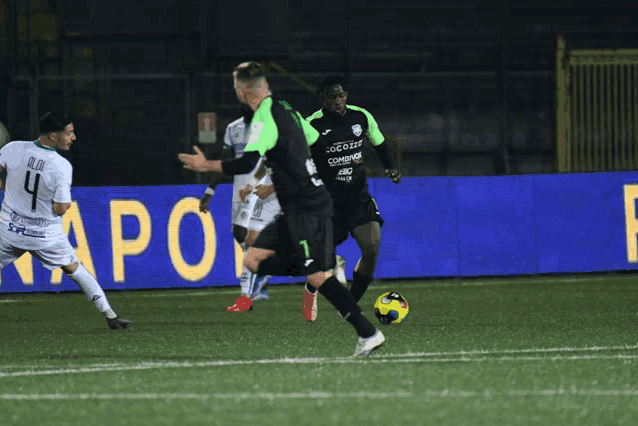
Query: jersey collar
x=39, y=145
x=332, y=114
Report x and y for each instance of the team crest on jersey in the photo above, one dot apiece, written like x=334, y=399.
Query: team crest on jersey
x=356, y=129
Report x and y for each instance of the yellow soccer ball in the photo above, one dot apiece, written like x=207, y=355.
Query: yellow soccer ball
x=391, y=308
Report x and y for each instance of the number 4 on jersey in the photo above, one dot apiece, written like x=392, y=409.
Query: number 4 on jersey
x=33, y=192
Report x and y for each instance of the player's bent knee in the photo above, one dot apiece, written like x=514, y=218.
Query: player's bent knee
x=252, y=263
x=254, y=257
x=69, y=269
x=318, y=278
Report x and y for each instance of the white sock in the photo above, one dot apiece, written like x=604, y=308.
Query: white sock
x=92, y=289
x=246, y=281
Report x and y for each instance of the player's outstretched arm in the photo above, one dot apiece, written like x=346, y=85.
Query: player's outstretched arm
x=198, y=162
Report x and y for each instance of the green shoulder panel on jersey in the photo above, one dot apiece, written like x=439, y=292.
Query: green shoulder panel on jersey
x=312, y=135
x=310, y=132
x=315, y=116
x=374, y=135
x=263, y=133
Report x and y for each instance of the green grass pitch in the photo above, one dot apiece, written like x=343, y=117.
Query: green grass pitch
x=545, y=350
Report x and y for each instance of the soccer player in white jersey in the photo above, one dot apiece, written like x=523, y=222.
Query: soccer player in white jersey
x=37, y=195
x=251, y=210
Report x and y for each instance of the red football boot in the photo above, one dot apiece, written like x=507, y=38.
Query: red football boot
x=309, y=305
x=242, y=303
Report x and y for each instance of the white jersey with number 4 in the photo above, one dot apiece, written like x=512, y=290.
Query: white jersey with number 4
x=37, y=176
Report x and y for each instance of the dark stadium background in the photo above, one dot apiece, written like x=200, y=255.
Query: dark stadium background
x=463, y=87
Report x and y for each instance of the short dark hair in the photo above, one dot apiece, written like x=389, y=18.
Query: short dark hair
x=249, y=71
x=53, y=121
x=331, y=80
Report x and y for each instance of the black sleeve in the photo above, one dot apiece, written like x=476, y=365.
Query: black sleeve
x=242, y=165
x=226, y=154
x=386, y=155
x=217, y=178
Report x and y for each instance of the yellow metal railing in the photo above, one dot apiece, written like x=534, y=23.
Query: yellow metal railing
x=597, y=109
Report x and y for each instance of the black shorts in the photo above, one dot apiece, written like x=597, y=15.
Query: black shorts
x=305, y=238
x=350, y=213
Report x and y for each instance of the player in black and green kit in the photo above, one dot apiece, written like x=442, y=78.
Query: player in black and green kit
x=300, y=240
x=340, y=162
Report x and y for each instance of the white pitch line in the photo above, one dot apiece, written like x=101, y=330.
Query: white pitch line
x=514, y=351
x=35, y=297
x=497, y=359
x=372, y=360
x=446, y=393
x=207, y=396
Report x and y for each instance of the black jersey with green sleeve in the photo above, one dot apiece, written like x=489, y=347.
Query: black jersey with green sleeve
x=283, y=136
x=342, y=167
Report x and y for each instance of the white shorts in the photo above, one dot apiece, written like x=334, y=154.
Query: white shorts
x=52, y=257
x=264, y=213
x=241, y=212
x=256, y=213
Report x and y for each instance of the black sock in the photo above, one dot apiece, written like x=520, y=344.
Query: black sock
x=279, y=267
x=342, y=299
x=310, y=288
x=360, y=284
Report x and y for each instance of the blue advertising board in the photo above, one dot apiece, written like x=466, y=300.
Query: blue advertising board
x=155, y=237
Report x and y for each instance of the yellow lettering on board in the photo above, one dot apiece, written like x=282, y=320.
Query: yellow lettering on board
x=202, y=269
x=128, y=247
x=24, y=266
x=239, y=258
x=72, y=217
x=630, y=196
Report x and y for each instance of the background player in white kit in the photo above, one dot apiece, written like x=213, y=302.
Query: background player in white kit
x=37, y=195
x=251, y=210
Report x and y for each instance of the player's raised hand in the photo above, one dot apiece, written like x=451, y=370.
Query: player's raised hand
x=394, y=175
x=197, y=162
x=244, y=192
x=203, y=203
